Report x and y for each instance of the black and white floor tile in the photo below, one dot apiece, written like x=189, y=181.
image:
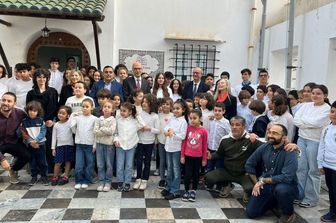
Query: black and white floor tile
x=38, y=203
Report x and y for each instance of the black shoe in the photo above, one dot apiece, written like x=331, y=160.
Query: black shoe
x=192, y=196
x=44, y=181
x=162, y=184
x=33, y=181
x=171, y=196
x=185, y=196
x=329, y=217
x=164, y=192
x=127, y=188
x=120, y=187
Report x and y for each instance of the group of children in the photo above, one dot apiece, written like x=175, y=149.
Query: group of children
x=125, y=133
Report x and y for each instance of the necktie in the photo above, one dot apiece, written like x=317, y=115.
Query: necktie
x=138, y=83
x=195, y=89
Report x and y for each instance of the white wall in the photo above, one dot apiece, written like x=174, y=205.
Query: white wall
x=144, y=26
x=312, y=36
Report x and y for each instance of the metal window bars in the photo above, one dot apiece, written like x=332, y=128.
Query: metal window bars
x=186, y=57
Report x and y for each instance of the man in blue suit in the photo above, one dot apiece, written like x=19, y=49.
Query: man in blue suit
x=109, y=82
x=195, y=86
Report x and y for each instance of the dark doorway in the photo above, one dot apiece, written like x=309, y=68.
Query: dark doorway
x=60, y=45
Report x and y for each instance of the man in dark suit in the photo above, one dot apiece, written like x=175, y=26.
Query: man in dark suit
x=196, y=86
x=136, y=82
x=109, y=82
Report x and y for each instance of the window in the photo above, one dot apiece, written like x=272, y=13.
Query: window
x=186, y=57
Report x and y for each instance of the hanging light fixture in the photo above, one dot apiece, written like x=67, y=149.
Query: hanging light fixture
x=45, y=31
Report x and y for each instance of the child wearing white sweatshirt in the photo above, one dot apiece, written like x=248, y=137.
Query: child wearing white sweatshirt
x=326, y=161
x=82, y=125
x=311, y=119
x=126, y=140
x=146, y=140
x=104, y=129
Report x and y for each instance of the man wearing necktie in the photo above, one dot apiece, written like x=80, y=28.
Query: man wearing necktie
x=195, y=86
x=136, y=82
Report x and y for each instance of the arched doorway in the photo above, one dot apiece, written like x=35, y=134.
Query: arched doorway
x=61, y=45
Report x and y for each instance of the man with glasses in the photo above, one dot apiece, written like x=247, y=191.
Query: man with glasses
x=136, y=82
x=263, y=77
x=277, y=184
x=195, y=86
x=109, y=82
x=56, y=76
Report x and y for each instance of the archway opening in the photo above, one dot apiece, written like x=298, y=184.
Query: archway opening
x=61, y=45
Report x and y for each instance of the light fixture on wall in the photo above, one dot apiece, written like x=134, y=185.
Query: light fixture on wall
x=45, y=31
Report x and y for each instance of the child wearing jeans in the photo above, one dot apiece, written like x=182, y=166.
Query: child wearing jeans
x=34, y=132
x=194, y=154
x=62, y=146
x=126, y=140
x=104, y=130
x=146, y=140
x=175, y=131
x=326, y=160
x=164, y=116
x=82, y=125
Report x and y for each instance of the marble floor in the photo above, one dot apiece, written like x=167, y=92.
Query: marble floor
x=38, y=203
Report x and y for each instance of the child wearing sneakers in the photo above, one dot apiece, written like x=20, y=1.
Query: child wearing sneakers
x=34, y=132
x=164, y=116
x=126, y=141
x=62, y=146
x=146, y=140
x=82, y=125
x=194, y=154
x=175, y=133
x=326, y=160
x=104, y=130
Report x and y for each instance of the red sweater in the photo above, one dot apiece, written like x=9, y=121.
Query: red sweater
x=195, y=143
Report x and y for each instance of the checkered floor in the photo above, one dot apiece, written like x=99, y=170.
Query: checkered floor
x=38, y=203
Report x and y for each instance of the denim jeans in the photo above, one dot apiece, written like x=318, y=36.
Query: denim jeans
x=38, y=161
x=173, y=172
x=163, y=161
x=308, y=174
x=105, y=160
x=143, y=159
x=125, y=160
x=84, y=164
x=281, y=195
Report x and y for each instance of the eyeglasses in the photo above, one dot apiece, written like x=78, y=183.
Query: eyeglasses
x=263, y=75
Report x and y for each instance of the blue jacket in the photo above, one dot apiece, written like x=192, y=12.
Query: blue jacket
x=35, y=128
x=116, y=88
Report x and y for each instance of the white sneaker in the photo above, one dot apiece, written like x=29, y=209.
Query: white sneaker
x=100, y=187
x=78, y=186
x=137, y=184
x=107, y=187
x=156, y=172
x=143, y=185
x=84, y=186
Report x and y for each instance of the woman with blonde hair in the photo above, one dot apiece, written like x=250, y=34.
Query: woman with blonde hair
x=222, y=94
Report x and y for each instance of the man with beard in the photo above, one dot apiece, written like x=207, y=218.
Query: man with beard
x=10, y=120
x=277, y=185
